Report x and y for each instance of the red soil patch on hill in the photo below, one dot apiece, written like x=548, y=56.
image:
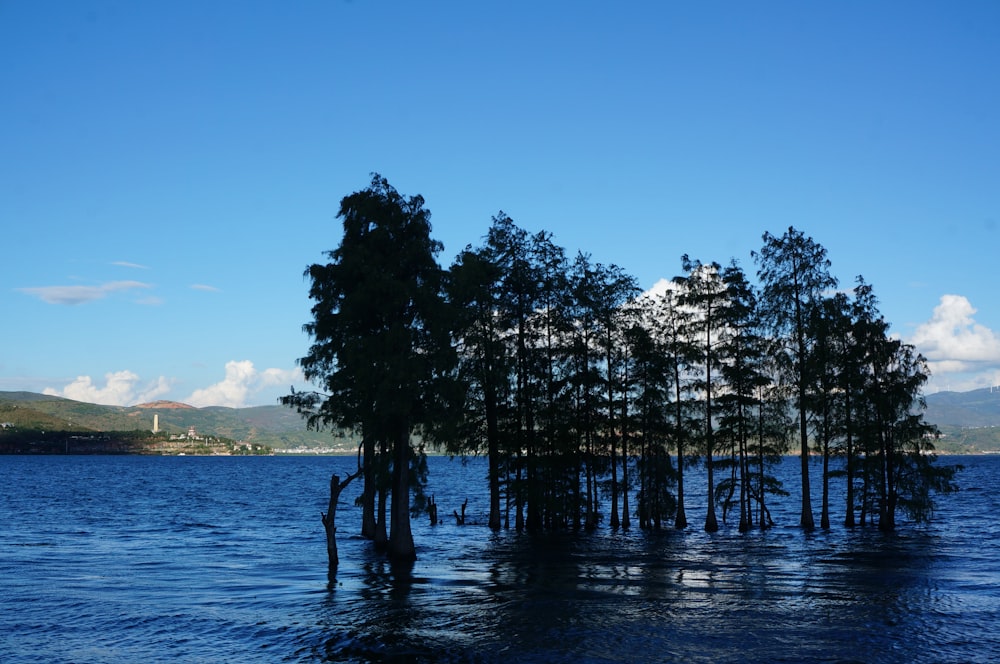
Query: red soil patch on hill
x=166, y=405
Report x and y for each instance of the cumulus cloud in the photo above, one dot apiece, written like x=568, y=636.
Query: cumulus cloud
x=659, y=288
x=73, y=295
x=121, y=388
x=242, y=382
x=962, y=353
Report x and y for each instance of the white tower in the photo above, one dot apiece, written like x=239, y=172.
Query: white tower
x=156, y=423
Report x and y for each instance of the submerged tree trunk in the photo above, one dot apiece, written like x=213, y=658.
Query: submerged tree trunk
x=680, y=521
x=401, y=547
x=493, y=453
x=381, y=538
x=330, y=517
x=711, y=523
x=824, y=518
x=368, y=494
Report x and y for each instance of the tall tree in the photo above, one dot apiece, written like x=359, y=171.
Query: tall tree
x=585, y=379
x=552, y=469
x=485, y=368
x=381, y=343
x=830, y=325
x=612, y=288
x=744, y=352
x=704, y=293
x=794, y=272
x=900, y=470
x=648, y=383
x=669, y=323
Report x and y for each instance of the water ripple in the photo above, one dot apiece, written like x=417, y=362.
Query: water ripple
x=154, y=559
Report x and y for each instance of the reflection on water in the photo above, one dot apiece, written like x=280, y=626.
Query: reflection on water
x=122, y=559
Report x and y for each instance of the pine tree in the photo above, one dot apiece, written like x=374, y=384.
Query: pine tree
x=795, y=273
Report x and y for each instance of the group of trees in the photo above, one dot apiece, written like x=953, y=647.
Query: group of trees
x=585, y=394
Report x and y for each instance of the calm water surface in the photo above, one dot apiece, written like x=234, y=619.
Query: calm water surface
x=200, y=559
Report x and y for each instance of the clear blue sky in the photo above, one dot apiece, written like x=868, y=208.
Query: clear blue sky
x=168, y=169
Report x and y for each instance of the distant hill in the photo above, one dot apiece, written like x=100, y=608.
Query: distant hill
x=976, y=408
x=969, y=420
x=274, y=426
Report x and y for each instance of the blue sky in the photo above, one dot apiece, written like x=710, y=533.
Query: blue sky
x=169, y=169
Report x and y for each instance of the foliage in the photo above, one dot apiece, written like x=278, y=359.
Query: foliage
x=381, y=351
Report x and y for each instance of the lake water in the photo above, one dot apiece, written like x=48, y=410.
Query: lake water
x=208, y=559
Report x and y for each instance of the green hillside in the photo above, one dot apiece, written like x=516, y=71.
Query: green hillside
x=273, y=426
x=970, y=421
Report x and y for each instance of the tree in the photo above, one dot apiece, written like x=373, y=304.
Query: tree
x=605, y=294
x=900, y=474
x=794, y=273
x=740, y=406
x=381, y=348
x=649, y=383
x=551, y=478
x=330, y=516
x=704, y=293
x=828, y=398
x=669, y=322
x=481, y=362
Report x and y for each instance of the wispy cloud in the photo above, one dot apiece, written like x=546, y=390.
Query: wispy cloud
x=962, y=353
x=73, y=295
x=121, y=388
x=242, y=381
x=205, y=287
x=135, y=266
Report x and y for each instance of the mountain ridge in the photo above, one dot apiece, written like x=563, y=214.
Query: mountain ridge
x=970, y=421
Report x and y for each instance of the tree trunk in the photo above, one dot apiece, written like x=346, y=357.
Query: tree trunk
x=330, y=522
x=849, y=516
x=381, y=538
x=401, y=547
x=330, y=518
x=368, y=494
x=806, y=519
x=711, y=523
x=626, y=519
x=824, y=518
x=611, y=442
x=493, y=444
x=680, y=522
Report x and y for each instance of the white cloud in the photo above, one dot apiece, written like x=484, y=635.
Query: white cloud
x=135, y=266
x=962, y=353
x=72, y=295
x=121, y=388
x=242, y=381
x=205, y=287
x=658, y=289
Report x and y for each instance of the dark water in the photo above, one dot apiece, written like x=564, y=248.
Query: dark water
x=191, y=559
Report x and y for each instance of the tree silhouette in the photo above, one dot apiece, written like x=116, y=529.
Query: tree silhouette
x=794, y=272
x=381, y=348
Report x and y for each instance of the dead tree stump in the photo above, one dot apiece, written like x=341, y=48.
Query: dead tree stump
x=330, y=516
